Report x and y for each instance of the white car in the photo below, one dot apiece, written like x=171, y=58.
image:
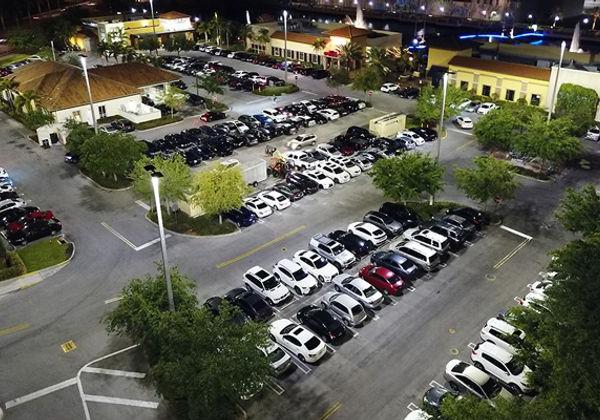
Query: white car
x=300, y=159
x=540, y=287
x=320, y=178
x=593, y=134
x=11, y=204
x=349, y=165
x=330, y=114
x=266, y=285
x=389, y=87
x=328, y=150
x=358, y=289
x=293, y=276
x=279, y=360
x=316, y=265
x=464, y=122
x=368, y=232
x=502, y=334
x=275, y=199
x=298, y=340
x=109, y=129
x=274, y=115
x=239, y=73
x=462, y=376
x=486, y=107
x=503, y=365
x=463, y=104
x=335, y=172
x=363, y=162
x=258, y=207
x=418, y=140
x=301, y=141
x=310, y=107
x=3, y=173
x=6, y=188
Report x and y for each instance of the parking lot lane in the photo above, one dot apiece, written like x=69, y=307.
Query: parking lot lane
x=13, y=329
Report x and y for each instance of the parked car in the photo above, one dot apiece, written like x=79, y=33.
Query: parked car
x=15, y=214
x=37, y=229
x=330, y=114
x=241, y=217
x=414, y=137
x=383, y=279
x=460, y=222
x=258, y=207
x=301, y=141
x=332, y=250
x=429, y=238
x=435, y=396
x=348, y=165
x=423, y=256
x=353, y=243
x=266, y=285
x=368, y=232
x=250, y=303
x=345, y=307
x=486, y=107
x=390, y=226
x=307, y=185
x=11, y=204
x=503, y=365
x=320, y=178
x=593, y=134
x=300, y=160
x=320, y=74
x=279, y=360
x=396, y=263
x=215, y=304
x=294, y=277
x=213, y=116
x=401, y=214
x=428, y=134
x=335, y=172
x=463, y=377
x=298, y=340
x=275, y=199
x=455, y=235
x=389, y=87
x=463, y=122
x=316, y=265
x=358, y=289
x=476, y=217
x=290, y=191
x=321, y=322
x=502, y=334
x=123, y=125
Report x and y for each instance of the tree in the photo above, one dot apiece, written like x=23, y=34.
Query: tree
x=429, y=104
x=27, y=40
x=61, y=30
x=102, y=48
x=175, y=183
x=219, y=189
x=110, y=154
x=203, y=27
x=579, y=211
x=319, y=45
x=579, y=104
x=262, y=37
x=210, y=84
x=29, y=98
x=148, y=43
x=79, y=133
x=350, y=54
x=490, y=179
x=174, y=98
x=38, y=118
x=368, y=78
x=178, y=43
x=406, y=177
x=498, y=129
x=380, y=59
x=338, y=78
x=244, y=33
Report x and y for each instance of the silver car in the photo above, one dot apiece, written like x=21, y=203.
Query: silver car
x=344, y=307
x=358, y=289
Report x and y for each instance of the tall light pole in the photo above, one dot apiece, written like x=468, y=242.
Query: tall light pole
x=441, y=124
x=285, y=15
x=155, y=177
x=53, y=53
x=154, y=27
x=89, y=90
x=563, y=46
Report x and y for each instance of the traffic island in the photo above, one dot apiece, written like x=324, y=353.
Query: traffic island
x=277, y=90
x=44, y=254
x=426, y=211
x=179, y=222
x=107, y=183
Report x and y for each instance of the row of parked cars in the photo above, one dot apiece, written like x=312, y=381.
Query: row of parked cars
x=19, y=222
x=406, y=92
x=495, y=370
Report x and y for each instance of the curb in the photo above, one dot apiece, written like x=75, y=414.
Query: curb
x=160, y=126
x=533, y=179
x=35, y=277
x=101, y=187
x=187, y=235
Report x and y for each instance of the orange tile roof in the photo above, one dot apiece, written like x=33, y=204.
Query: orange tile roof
x=135, y=74
x=502, y=67
x=297, y=37
x=348, y=31
x=173, y=15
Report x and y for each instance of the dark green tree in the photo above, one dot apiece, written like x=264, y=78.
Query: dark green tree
x=338, y=78
x=579, y=211
x=498, y=129
x=578, y=104
x=148, y=43
x=79, y=133
x=27, y=40
x=110, y=154
x=429, y=104
x=367, y=78
x=178, y=43
x=408, y=176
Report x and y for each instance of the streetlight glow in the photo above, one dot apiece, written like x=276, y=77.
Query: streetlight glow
x=530, y=16
x=586, y=21
x=442, y=9
x=285, y=54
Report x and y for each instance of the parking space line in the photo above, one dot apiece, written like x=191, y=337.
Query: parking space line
x=436, y=384
x=295, y=299
x=412, y=406
x=310, y=93
x=261, y=247
x=114, y=372
x=453, y=254
x=112, y=300
x=118, y=235
x=516, y=232
x=142, y=205
x=329, y=412
x=14, y=329
x=275, y=387
x=303, y=367
x=376, y=317
x=469, y=244
x=331, y=349
x=120, y=401
x=411, y=288
x=40, y=393
x=471, y=346
x=393, y=301
x=511, y=254
x=353, y=331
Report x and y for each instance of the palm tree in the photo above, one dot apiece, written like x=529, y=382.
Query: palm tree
x=319, y=44
x=245, y=33
x=263, y=36
x=595, y=16
x=350, y=53
x=7, y=87
x=204, y=28
x=227, y=27
x=29, y=98
x=215, y=24
x=380, y=59
x=103, y=50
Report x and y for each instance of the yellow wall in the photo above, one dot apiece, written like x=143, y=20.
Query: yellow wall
x=441, y=57
x=500, y=84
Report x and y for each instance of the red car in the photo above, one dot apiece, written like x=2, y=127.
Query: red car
x=212, y=116
x=382, y=279
x=25, y=222
x=39, y=214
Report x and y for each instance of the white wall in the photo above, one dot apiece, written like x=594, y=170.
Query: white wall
x=176, y=25
x=588, y=79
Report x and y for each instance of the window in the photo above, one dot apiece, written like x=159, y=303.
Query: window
x=76, y=115
x=535, y=100
x=464, y=85
x=510, y=95
x=494, y=362
x=486, y=90
x=102, y=111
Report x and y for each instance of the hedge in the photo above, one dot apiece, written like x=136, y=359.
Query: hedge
x=157, y=122
x=277, y=90
x=15, y=269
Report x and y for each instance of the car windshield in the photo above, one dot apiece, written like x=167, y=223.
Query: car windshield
x=338, y=170
x=260, y=205
x=337, y=249
x=299, y=274
x=370, y=291
x=406, y=265
x=288, y=328
x=515, y=367
x=319, y=263
x=270, y=283
x=276, y=355
x=491, y=388
x=312, y=344
x=320, y=176
x=357, y=310
x=280, y=198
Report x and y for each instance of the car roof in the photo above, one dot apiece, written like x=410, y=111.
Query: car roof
x=476, y=375
x=386, y=273
x=501, y=325
x=432, y=235
x=344, y=299
x=422, y=249
x=289, y=264
x=495, y=351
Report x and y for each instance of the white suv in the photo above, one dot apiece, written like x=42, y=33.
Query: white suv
x=316, y=265
x=320, y=178
x=502, y=334
x=368, y=232
x=268, y=287
x=293, y=276
x=335, y=172
x=301, y=141
x=428, y=238
x=300, y=160
x=503, y=365
x=258, y=207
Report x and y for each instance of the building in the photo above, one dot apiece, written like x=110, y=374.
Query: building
x=500, y=80
x=131, y=28
x=302, y=36
x=441, y=51
x=586, y=76
x=116, y=91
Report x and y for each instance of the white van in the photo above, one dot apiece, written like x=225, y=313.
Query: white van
x=425, y=257
x=430, y=239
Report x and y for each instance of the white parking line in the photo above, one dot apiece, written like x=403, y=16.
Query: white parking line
x=113, y=372
x=142, y=205
x=436, y=384
x=353, y=331
x=40, y=393
x=255, y=101
x=310, y=93
x=469, y=244
x=376, y=317
x=120, y=401
x=118, y=235
x=112, y=300
x=411, y=288
x=455, y=255
x=275, y=387
x=393, y=301
x=289, y=303
x=331, y=349
x=412, y=406
x=471, y=346
x=516, y=232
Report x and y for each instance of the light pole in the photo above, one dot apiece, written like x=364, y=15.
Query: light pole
x=285, y=55
x=441, y=124
x=53, y=53
x=89, y=90
x=154, y=27
x=563, y=46
x=155, y=177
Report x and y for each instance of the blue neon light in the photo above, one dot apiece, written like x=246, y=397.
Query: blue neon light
x=502, y=36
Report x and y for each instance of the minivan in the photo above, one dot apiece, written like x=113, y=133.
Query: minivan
x=430, y=239
x=424, y=257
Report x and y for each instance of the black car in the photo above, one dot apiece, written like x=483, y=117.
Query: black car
x=317, y=154
x=307, y=185
x=195, y=100
x=123, y=125
x=241, y=217
x=355, y=244
x=249, y=120
x=320, y=74
x=15, y=214
x=290, y=191
x=321, y=322
x=214, y=305
x=192, y=157
x=455, y=235
x=401, y=213
x=460, y=222
x=285, y=128
x=478, y=218
x=428, y=134
x=434, y=397
x=396, y=263
x=213, y=116
x=220, y=146
x=8, y=195
x=36, y=230
x=71, y=158
x=355, y=131
x=251, y=304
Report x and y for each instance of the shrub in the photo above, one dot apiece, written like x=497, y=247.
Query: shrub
x=15, y=268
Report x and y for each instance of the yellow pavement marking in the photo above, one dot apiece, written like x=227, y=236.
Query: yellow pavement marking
x=335, y=407
x=14, y=329
x=261, y=247
x=462, y=146
x=511, y=254
x=68, y=346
